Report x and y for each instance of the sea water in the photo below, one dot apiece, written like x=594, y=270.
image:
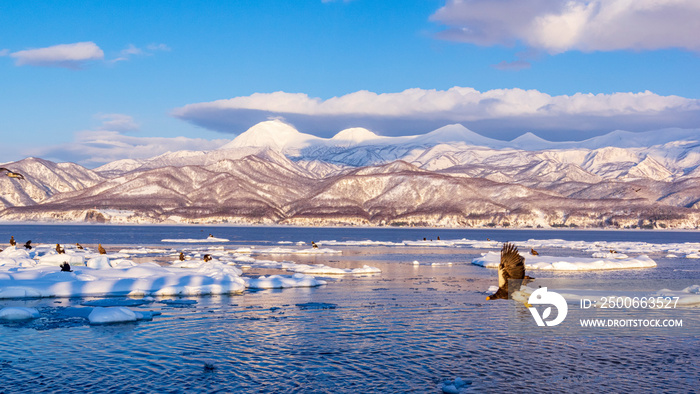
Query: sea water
x=408, y=329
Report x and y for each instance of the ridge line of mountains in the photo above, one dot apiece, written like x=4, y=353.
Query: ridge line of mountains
x=273, y=174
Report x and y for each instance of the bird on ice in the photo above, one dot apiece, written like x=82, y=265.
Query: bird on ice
x=101, y=249
x=12, y=174
x=512, y=267
x=12, y=240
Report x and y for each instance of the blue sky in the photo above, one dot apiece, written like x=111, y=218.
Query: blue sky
x=91, y=82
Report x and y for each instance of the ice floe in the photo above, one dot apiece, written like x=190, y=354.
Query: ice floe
x=278, y=250
x=118, y=314
x=25, y=274
x=492, y=259
x=18, y=313
x=194, y=240
x=688, y=249
x=283, y=281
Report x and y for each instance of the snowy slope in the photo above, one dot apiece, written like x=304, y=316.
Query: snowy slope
x=43, y=179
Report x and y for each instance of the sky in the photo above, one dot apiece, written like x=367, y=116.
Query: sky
x=92, y=82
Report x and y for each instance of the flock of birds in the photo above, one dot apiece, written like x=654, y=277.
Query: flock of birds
x=59, y=249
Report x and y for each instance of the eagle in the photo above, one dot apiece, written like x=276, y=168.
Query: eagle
x=182, y=256
x=12, y=174
x=101, y=249
x=512, y=267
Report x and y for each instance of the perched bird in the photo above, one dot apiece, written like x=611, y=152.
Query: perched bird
x=65, y=267
x=534, y=252
x=182, y=256
x=59, y=249
x=512, y=267
x=28, y=245
x=101, y=249
x=12, y=174
x=613, y=251
x=79, y=246
x=12, y=240
x=211, y=236
x=438, y=237
x=207, y=258
x=313, y=244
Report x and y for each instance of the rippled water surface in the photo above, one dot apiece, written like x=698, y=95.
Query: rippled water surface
x=405, y=330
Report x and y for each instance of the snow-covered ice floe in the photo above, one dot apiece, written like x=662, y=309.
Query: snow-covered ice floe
x=690, y=296
x=318, y=269
x=118, y=314
x=687, y=297
x=24, y=277
x=492, y=259
x=278, y=250
x=18, y=313
x=193, y=240
x=283, y=281
x=321, y=269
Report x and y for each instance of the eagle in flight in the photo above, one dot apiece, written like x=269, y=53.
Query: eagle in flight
x=512, y=267
x=12, y=174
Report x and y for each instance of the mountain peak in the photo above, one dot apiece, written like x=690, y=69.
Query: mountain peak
x=355, y=134
x=458, y=133
x=273, y=134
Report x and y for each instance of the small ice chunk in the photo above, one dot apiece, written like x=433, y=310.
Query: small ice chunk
x=118, y=314
x=18, y=313
x=101, y=262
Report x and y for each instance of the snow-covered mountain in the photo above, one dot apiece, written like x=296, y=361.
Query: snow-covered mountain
x=273, y=173
x=43, y=179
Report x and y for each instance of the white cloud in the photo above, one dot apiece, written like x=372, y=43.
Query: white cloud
x=501, y=112
x=132, y=50
x=158, y=47
x=64, y=55
x=93, y=148
x=117, y=122
x=560, y=25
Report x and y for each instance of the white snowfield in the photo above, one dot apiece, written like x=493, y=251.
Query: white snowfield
x=492, y=259
x=21, y=276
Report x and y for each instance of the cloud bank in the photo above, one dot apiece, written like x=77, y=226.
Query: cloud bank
x=92, y=148
x=64, y=55
x=557, y=26
x=500, y=113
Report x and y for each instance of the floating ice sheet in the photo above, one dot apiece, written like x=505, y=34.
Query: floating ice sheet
x=492, y=259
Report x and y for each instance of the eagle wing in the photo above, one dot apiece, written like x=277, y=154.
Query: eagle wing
x=512, y=264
